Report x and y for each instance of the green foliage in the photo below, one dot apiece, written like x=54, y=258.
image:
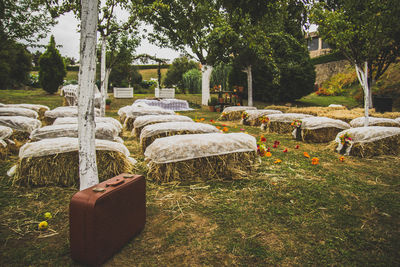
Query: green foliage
x=124, y=75
x=108, y=101
x=363, y=31
x=192, y=81
x=15, y=64
x=51, y=68
x=220, y=76
x=338, y=83
x=213, y=101
x=335, y=56
x=152, y=66
x=175, y=73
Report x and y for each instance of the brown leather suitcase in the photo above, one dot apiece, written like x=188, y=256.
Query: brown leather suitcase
x=104, y=217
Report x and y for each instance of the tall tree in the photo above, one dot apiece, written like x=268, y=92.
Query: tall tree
x=86, y=128
x=186, y=25
x=51, y=68
x=108, y=25
x=366, y=32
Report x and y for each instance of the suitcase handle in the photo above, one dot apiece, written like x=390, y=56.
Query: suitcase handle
x=115, y=183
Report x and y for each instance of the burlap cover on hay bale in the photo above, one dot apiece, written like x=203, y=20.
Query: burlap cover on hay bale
x=201, y=157
x=371, y=141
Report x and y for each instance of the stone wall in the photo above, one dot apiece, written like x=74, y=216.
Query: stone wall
x=327, y=70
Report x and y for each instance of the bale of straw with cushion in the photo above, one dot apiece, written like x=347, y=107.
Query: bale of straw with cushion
x=319, y=129
x=5, y=133
x=154, y=131
x=143, y=121
x=40, y=109
x=369, y=141
x=56, y=162
x=22, y=128
x=373, y=121
x=134, y=113
x=201, y=157
x=122, y=111
x=70, y=111
x=14, y=111
x=254, y=117
x=281, y=123
x=105, y=131
x=74, y=120
x=234, y=113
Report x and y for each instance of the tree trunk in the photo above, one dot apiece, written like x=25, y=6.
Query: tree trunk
x=108, y=71
x=86, y=128
x=363, y=79
x=103, y=75
x=249, y=86
x=205, y=84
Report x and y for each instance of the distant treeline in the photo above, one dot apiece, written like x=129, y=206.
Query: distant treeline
x=140, y=67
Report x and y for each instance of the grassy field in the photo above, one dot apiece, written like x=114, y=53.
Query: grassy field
x=282, y=214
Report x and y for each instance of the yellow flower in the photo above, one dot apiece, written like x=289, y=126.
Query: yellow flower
x=315, y=161
x=268, y=154
x=225, y=129
x=306, y=155
x=277, y=161
x=47, y=215
x=218, y=127
x=341, y=158
x=43, y=225
x=202, y=119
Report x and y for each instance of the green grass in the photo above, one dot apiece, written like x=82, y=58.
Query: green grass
x=324, y=101
x=291, y=213
x=151, y=73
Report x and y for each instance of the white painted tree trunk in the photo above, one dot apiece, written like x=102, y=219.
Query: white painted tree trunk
x=205, y=83
x=108, y=71
x=103, y=76
x=249, y=86
x=86, y=127
x=363, y=79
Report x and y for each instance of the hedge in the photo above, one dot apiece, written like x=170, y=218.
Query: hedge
x=336, y=56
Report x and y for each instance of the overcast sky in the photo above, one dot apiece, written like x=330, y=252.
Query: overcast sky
x=66, y=35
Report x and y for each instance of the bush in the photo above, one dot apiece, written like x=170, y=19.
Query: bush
x=335, y=56
x=174, y=75
x=192, y=81
x=51, y=68
x=220, y=76
x=338, y=83
x=123, y=75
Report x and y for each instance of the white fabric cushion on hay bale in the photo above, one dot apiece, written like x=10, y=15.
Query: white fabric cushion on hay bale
x=20, y=123
x=238, y=108
x=5, y=133
x=74, y=120
x=171, y=104
x=397, y=120
x=165, y=127
x=150, y=119
x=313, y=123
x=185, y=147
x=366, y=135
x=359, y=122
x=35, y=107
x=53, y=146
x=287, y=117
x=122, y=111
x=69, y=111
x=335, y=106
x=255, y=114
x=13, y=111
x=104, y=131
x=135, y=112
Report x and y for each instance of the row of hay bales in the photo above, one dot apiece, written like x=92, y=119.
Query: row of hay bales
x=381, y=137
x=49, y=155
x=177, y=148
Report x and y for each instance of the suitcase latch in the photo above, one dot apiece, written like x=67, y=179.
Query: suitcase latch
x=99, y=189
x=115, y=183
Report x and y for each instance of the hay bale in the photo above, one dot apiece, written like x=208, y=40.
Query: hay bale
x=74, y=120
x=5, y=134
x=234, y=113
x=319, y=129
x=70, y=111
x=281, y=123
x=56, y=162
x=366, y=142
x=372, y=121
x=252, y=117
x=15, y=111
x=201, y=157
x=155, y=131
x=40, y=109
x=105, y=131
x=134, y=112
x=143, y=121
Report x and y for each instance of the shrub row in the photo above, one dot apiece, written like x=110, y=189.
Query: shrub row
x=336, y=56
